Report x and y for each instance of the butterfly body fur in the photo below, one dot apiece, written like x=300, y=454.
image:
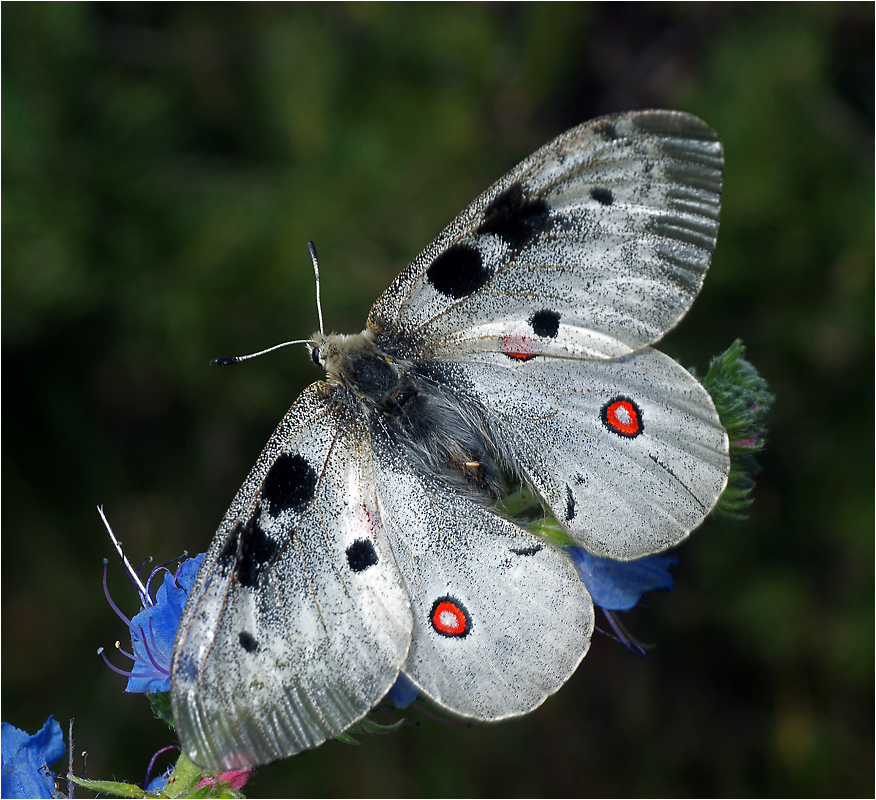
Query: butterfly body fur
x=445, y=435
x=365, y=544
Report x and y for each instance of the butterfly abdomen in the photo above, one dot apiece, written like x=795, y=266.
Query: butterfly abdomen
x=448, y=437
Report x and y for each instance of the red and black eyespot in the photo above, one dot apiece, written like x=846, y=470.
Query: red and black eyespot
x=622, y=416
x=450, y=618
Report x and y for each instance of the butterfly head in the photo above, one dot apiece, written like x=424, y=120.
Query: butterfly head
x=340, y=355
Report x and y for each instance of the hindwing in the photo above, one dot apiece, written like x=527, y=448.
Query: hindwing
x=629, y=454
x=500, y=618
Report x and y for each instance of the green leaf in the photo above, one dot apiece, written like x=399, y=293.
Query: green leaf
x=161, y=707
x=742, y=401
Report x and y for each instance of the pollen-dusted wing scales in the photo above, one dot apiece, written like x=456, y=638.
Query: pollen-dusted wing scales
x=365, y=546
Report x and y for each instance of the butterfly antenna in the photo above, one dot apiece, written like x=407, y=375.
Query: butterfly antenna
x=226, y=360
x=312, y=248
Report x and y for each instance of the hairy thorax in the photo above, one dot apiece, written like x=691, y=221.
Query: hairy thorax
x=443, y=431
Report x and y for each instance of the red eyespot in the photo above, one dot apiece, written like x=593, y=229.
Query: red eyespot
x=449, y=617
x=520, y=347
x=623, y=417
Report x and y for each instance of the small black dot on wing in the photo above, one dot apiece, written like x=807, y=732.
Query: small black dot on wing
x=546, y=323
x=248, y=641
x=256, y=551
x=527, y=551
x=361, y=555
x=571, y=509
x=603, y=196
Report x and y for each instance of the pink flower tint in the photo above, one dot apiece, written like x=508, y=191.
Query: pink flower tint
x=235, y=778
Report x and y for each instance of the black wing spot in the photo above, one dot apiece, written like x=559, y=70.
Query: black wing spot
x=603, y=196
x=256, y=551
x=570, y=504
x=607, y=130
x=458, y=272
x=248, y=642
x=361, y=555
x=228, y=557
x=546, y=323
x=289, y=485
x=514, y=218
x=527, y=551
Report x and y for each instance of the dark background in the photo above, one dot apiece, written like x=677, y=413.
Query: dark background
x=164, y=166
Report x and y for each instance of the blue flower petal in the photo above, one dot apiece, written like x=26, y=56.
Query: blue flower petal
x=619, y=585
x=153, y=646
x=188, y=571
x=403, y=691
x=24, y=759
x=157, y=784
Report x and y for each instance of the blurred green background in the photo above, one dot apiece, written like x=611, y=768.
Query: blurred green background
x=163, y=168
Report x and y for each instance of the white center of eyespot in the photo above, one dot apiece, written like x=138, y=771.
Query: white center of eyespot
x=623, y=415
x=448, y=619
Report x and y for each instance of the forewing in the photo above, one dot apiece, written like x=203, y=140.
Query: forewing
x=501, y=620
x=298, y=623
x=629, y=454
x=594, y=246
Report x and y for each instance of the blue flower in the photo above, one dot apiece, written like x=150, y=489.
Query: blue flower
x=25, y=760
x=403, y=691
x=619, y=585
x=157, y=784
x=153, y=629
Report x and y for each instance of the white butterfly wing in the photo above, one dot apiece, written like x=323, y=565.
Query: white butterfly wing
x=595, y=246
x=338, y=566
x=298, y=623
x=629, y=454
x=501, y=620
